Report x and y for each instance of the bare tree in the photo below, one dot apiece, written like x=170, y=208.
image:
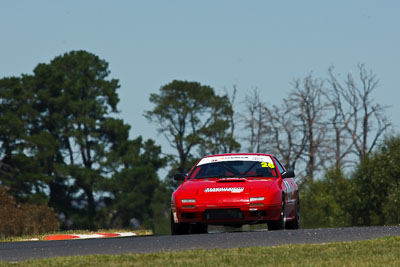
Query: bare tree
x=254, y=120
x=232, y=121
x=342, y=146
x=310, y=107
x=286, y=139
x=317, y=125
x=294, y=130
x=361, y=117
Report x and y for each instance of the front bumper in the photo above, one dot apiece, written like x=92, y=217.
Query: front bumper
x=212, y=214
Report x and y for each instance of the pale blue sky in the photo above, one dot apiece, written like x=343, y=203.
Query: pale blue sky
x=262, y=44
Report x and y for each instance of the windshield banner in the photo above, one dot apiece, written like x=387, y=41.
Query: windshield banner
x=235, y=158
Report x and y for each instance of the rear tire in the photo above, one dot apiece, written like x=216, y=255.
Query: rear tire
x=179, y=228
x=280, y=223
x=295, y=223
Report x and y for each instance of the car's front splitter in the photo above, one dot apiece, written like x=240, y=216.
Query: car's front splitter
x=226, y=214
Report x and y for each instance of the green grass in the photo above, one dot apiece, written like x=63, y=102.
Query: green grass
x=70, y=232
x=377, y=252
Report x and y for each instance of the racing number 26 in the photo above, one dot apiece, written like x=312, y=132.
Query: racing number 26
x=267, y=164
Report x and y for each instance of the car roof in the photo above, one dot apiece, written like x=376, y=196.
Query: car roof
x=239, y=154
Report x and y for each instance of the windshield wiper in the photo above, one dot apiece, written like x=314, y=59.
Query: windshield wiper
x=258, y=175
x=216, y=176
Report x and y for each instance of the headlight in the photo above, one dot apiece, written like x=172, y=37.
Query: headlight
x=188, y=200
x=252, y=199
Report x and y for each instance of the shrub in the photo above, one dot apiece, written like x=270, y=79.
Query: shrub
x=325, y=202
x=391, y=209
x=18, y=219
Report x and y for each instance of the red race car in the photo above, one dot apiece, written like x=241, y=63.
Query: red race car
x=233, y=190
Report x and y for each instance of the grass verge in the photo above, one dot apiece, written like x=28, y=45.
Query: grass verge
x=70, y=232
x=376, y=252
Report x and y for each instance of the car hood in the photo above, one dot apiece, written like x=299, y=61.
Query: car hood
x=226, y=186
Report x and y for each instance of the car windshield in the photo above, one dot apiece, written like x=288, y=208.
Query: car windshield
x=237, y=169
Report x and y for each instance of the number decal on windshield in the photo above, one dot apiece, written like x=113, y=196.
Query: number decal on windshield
x=264, y=164
x=267, y=164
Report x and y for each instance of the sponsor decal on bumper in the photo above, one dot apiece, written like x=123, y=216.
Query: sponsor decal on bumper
x=224, y=189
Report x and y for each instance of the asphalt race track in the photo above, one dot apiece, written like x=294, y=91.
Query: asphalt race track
x=18, y=251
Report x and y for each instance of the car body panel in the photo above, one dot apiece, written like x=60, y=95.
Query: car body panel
x=230, y=200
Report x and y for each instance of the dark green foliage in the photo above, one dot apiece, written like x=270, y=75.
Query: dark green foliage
x=370, y=197
x=391, y=209
x=74, y=99
x=190, y=116
x=22, y=150
x=160, y=209
x=134, y=187
x=325, y=202
x=60, y=145
x=376, y=182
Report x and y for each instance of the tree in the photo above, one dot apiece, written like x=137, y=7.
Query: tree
x=134, y=182
x=256, y=122
x=20, y=167
x=307, y=100
x=342, y=146
x=273, y=129
x=362, y=119
x=295, y=129
x=59, y=144
x=326, y=202
x=219, y=136
x=286, y=136
x=74, y=99
x=369, y=197
x=375, y=185
x=189, y=115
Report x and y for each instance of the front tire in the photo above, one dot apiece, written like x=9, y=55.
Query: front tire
x=295, y=223
x=280, y=223
x=178, y=228
x=199, y=228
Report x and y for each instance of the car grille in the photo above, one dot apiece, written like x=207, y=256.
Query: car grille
x=223, y=214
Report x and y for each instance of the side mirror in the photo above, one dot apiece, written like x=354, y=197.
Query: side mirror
x=179, y=177
x=288, y=174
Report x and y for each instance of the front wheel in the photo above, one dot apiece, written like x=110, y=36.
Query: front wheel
x=178, y=228
x=199, y=228
x=280, y=223
x=295, y=223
